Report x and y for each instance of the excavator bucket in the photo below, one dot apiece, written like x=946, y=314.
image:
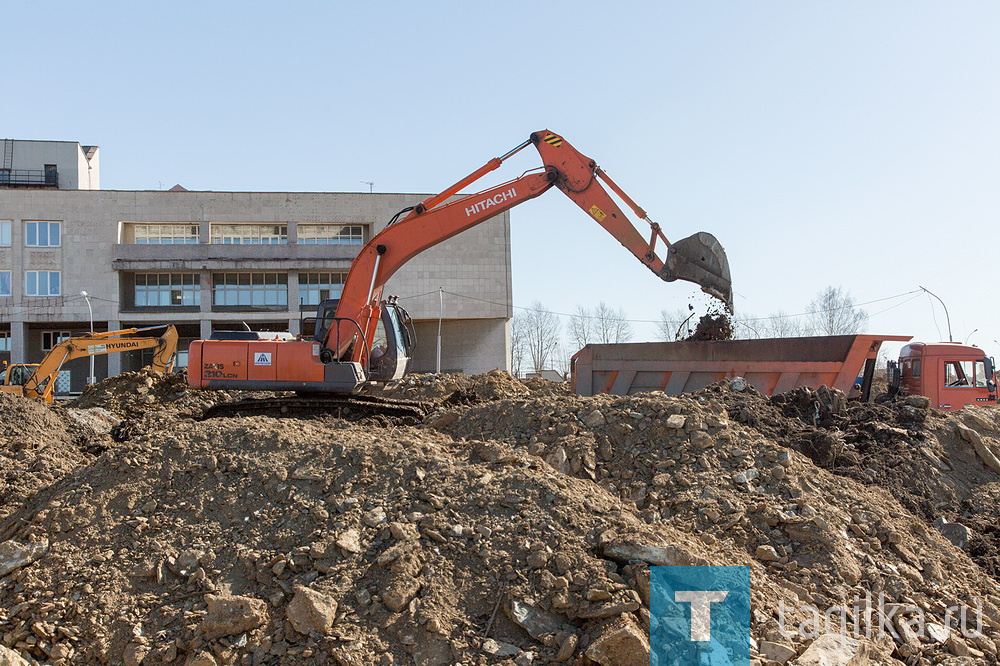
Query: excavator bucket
x=701, y=259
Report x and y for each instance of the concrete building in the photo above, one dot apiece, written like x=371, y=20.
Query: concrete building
x=215, y=260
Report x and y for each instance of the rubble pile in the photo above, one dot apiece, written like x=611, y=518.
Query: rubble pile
x=515, y=525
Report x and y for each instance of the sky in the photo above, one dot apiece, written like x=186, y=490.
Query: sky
x=848, y=144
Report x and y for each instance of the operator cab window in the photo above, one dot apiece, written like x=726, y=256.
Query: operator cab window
x=959, y=373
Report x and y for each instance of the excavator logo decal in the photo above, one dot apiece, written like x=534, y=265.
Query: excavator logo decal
x=495, y=200
x=553, y=140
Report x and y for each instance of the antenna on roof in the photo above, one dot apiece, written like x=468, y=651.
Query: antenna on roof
x=370, y=184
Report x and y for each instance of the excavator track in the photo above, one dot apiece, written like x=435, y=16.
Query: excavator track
x=348, y=407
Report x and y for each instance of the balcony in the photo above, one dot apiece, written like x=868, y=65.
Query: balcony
x=127, y=257
x=29, y=178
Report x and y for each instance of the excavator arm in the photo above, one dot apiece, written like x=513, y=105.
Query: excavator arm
x=41, y=384
x=699, y=258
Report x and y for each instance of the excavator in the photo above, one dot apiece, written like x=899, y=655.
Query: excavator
x=362, y=338
x=38, y=380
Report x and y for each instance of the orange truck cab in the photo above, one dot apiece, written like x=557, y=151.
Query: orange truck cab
x=950, y=374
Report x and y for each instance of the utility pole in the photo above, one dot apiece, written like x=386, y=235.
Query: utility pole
x=91, y=379
x=440, y=317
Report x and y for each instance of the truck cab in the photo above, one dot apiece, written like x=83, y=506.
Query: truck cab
x=950, y=374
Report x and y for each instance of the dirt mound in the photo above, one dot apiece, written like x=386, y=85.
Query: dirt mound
x=132, y=393
x=38, y=445
x=515, y=525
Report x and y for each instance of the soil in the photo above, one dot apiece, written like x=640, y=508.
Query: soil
x=514, y=525
x=712, y=327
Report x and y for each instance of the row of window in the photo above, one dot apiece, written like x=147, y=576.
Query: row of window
x=184, y=289
x=36, y=234
x=48, y=234
x=36, y=283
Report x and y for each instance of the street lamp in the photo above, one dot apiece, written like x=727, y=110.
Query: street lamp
x=91, y=379
x=947, y=316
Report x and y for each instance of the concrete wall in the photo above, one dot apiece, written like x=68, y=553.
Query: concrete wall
x=467, y=345
x=76, y=172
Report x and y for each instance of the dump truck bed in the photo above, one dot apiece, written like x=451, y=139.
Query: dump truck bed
x=773, y=365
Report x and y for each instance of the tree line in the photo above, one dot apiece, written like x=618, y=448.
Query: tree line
x=537, y=334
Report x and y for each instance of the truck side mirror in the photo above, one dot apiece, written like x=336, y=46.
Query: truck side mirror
x=989, y=367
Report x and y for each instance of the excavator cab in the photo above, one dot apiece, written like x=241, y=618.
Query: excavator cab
x=393, y=344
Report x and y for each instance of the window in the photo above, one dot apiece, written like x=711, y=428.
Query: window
x=250, y=289
x=41, y=234
x=4, y=341
x=51, y=338
x=317, y=287
x=5, y=226
x=41, y=283
x=250, y=234
x=166, y=234
x=167, y=290
x=964, y=373
x=331, y=234
x=4, y=283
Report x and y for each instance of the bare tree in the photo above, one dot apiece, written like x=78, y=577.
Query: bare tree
x=518, y=343
x=612, y=324
x=833, y=312
x=542, y=331
x=669, y=327
x=581, y=328
x=781, y=325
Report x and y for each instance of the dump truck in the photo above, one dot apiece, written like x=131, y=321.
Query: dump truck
x=949, y=374
x=772, y=365
x=38, y=380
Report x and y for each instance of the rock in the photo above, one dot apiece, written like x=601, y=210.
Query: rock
x=132, y=656
x=834, y=650
x=535, y=621
x=957, y=646
x=956, y=533
x=202, y=658
x=937, y=632
x=918, y=401
x=666, y=556
x=400, y=592
x=609, y=610
x=776, y=651
x=374, y=518
x=702, y=440
x=567, y=647
x=767, y=554
x=620, y=644
x=675, y=421
x=14, y=555
x=499, y=649
x=594, y=419
x=349, y=542
x=310, y=611
x=229, y=615
x=982, y=450
x=9, y=657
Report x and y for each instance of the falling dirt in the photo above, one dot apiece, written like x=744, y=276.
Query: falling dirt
x=712, y=327
x=515, y=525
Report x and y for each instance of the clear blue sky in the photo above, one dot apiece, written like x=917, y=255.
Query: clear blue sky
x=851, y=144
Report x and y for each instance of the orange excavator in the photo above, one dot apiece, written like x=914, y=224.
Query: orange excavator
x=33, y=380
x=363, y=338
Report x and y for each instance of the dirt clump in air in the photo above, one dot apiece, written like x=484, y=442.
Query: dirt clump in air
x=712, y=327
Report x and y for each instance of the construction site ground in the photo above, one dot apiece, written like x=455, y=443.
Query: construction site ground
x=514, y=525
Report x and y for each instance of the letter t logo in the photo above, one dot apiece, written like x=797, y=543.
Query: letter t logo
x=701, y=611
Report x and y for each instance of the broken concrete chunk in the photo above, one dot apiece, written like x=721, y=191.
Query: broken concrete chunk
x=834, y=650
x=667, y=556
x=500, y=649
x=621, y=643
x=310, y=611
x=535, y=621
x=14, y=555
x=229, y=615
x=776, y=652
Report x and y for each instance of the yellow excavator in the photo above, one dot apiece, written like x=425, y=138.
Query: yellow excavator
x=38, y=380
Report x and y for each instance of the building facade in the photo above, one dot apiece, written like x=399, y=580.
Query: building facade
x=209, y=261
